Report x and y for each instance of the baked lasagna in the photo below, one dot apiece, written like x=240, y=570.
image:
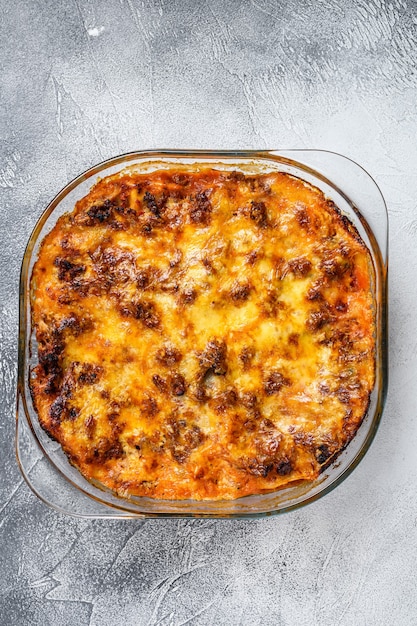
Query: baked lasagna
x=202, y=334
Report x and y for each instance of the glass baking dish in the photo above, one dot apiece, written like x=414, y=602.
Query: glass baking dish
x=42, y=462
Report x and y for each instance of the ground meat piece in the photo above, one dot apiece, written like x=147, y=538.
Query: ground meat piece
x=246, y=356
x=258, y=467
x=207, y=262
x=323, y=453
x=268, y=466
x=251, y=424
x=240, y=292
x=303, y=219
x=60, y=410
x=284, y=467
x=341, y=306
x=188, y=296
x=147, y=228
x=90, y=425
x=105, y=450
x=143, y=278
x=318, y=319
x=268, y=439
x=249, y=400
x=176, y=258
x=181, y=179
x=100, y=213
x=168, y=356
x=113, y=265
x=225, y=400
x=324, y=389
x=182, y=438
x=257, y=184
x=201, y=209
x=149, y=406
x=89, y=373
x=194, y=436
x=160, y=383
x=76, y=325
x=155, y=206
x=335, y=268
x=213, y=359
x=178, y=385
x=52, y=385
x=252, y=257
x=68, y=271
x=275, y=382
x=200, y=393
x=293, y=339
x=236, y=176
x=300, y=267
x=57, y=409
x=50, y=359
x=314, y=294
x=258, y=213
x=143, y=311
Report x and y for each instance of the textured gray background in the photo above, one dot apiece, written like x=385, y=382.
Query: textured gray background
x=83, y=81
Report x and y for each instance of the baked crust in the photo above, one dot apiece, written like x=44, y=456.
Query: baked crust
x=202, y=334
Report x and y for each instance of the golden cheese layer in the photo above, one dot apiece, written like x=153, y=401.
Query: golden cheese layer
x=202, y=334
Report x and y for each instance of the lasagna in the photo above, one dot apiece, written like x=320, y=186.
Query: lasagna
x=202, y=334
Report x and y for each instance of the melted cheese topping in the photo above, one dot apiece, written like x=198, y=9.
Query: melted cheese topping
x=202, y=334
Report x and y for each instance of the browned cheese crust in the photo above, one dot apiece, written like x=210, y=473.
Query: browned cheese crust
x=202, y=334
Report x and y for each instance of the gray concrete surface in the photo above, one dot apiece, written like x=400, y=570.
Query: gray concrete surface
x=85, y=80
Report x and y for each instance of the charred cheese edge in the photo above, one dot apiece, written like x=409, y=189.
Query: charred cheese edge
x=202, y=334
